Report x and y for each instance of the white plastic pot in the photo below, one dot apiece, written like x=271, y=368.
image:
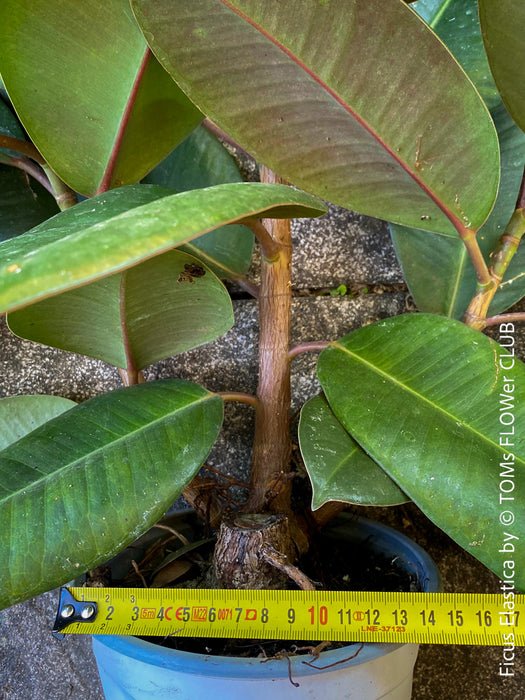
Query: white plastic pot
x=132, y=669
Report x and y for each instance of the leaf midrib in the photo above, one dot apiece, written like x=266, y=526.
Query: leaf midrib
x=320, y=491
x=120, y=135
x=435, y=20
x=454, y=220
x=459, y=278
x=423, y=399
x=341, y=463
x=70, y=466
x=333, y=474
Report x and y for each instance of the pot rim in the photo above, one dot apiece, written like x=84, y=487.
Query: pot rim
x=236, y=667
x=385, y=539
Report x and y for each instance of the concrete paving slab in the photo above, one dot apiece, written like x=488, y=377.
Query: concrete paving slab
x=355, y=249
x=34, y=665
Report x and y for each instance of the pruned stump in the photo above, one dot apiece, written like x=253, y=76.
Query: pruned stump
x=241, y=553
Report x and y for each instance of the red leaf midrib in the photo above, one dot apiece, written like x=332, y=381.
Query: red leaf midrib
x=105, y=183
x=455, y=220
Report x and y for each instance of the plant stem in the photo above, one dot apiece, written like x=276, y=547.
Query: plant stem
x=64, y=195
x=275, y=558
x=131, y=374
x=36, y=172
x=239, y=560
x=130, y=378
x=270, y=248
x=21, y=146
x=508, y=244
x=272, y=443
x=313, y=346
x=505, y=318
x=476, y=313
x=244, y=283
x=232, y=481
x=476, y=256
x=202, y=496
x=238, y=396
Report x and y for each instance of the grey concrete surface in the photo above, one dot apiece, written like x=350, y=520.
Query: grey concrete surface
x=355, y=250
x=34, y=666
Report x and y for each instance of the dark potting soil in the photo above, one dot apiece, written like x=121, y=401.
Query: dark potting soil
x=330, y=563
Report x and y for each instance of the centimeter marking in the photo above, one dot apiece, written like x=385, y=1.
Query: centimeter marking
x=350, y=616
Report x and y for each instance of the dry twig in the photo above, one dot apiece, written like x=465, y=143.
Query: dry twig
x=280, y=561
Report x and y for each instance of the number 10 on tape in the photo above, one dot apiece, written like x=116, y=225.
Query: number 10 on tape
x=431, y=618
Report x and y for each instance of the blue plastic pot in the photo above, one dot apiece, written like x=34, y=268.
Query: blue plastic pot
x=131, y=669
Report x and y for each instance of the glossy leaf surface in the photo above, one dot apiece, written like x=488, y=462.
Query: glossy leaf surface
x=355, y=100
x=65, y=252
x=456, y=22
x=339, y=468
x=20, y=415
x=81, y=487
x=161, y=307
x=91, y=96
x=202, y=161
x=423, y=395
x=503, y=28
x=437, y=268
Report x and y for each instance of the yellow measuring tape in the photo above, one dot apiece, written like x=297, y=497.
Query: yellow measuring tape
x=427, y=618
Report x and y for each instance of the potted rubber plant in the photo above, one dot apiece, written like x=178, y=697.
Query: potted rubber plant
x=95, y=98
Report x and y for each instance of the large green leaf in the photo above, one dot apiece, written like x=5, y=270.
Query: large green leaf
x=438, y=269
x=456, y=22
x=423, y=394
x=82, y=486
x=20, y=415
x=339, y=468
x=503, y=28
x=201, y=161
x=355, y=100
x=76, y=247
x=161, y=307
x=91, y=96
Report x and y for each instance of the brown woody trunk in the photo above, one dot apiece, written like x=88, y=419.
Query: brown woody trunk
x=269, y=489
x=243, y=541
